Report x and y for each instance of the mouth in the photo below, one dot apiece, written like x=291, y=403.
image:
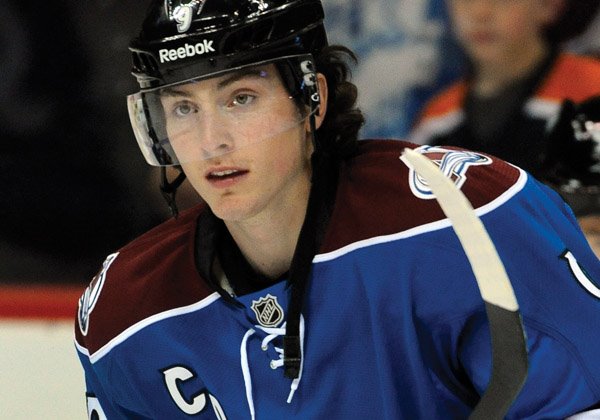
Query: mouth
x=224, y=174
x=225, y=177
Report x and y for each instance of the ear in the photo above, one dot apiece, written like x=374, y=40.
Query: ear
x=551, y=10
x=323, y=95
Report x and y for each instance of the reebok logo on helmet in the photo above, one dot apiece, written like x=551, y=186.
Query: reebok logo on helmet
x=188, y=50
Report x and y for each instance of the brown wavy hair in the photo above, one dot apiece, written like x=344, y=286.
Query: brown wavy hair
x=338, y=134
x=573, y=21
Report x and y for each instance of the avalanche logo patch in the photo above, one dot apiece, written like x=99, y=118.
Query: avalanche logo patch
x=183, y=12
x=268, y=311
x=89, y=298
x=453, y=163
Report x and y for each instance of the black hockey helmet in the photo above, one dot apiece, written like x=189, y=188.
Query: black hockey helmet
x=184, y=39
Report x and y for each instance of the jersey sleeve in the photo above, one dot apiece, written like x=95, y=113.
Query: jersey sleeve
x=115, y=370
x=98, y=403
x=556, y=278
x=112, y=393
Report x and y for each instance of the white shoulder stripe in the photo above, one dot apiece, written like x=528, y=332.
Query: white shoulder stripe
x=82, y=349
x=429, y=227
x=104, y=350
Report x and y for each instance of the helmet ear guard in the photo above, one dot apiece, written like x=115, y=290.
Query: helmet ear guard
x=300, y=79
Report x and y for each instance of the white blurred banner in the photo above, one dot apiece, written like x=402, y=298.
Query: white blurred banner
x=405, y=55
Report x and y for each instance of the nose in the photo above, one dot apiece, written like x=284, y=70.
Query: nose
x=215, y=136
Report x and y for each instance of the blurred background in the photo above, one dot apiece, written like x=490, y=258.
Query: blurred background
x=74, y=186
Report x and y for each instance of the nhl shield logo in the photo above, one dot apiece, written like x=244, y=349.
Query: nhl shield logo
x=268, y=311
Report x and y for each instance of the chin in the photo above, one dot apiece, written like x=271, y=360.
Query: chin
x=232, y=211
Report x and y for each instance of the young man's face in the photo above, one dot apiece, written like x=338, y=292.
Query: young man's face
x=494, y=31
x=241, y=140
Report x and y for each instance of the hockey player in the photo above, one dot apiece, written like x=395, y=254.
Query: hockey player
x=320, y=279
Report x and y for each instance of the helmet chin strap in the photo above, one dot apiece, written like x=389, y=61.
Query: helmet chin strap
x=307, y=246
x=169, y=189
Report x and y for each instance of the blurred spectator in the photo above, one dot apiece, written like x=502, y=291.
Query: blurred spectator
x=73, y=184
x=518, y=78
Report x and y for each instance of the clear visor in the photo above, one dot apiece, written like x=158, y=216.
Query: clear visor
x=217, y=114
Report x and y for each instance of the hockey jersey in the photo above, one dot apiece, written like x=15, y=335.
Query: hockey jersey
x=393, y=325
x=521, y=140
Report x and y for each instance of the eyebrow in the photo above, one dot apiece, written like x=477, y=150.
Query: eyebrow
x=254, y=73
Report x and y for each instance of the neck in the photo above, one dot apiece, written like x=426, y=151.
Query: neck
x=491, y=78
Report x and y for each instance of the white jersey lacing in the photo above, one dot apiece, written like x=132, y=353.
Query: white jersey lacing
x=277, y=363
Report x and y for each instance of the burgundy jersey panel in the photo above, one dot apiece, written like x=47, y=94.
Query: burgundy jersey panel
x=376, y=178
x=154, y=273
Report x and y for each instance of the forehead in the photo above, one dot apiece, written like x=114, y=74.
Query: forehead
x=257, y=77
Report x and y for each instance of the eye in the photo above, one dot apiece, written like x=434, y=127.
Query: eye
x=242, y=99
x=184, y=109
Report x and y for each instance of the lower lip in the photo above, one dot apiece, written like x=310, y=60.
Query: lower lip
x=227, y=181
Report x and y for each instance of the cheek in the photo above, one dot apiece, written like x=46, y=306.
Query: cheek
x=461, y=21
x=519, y=23
x=287, y=160
x=292, y=156
x=194, y=176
